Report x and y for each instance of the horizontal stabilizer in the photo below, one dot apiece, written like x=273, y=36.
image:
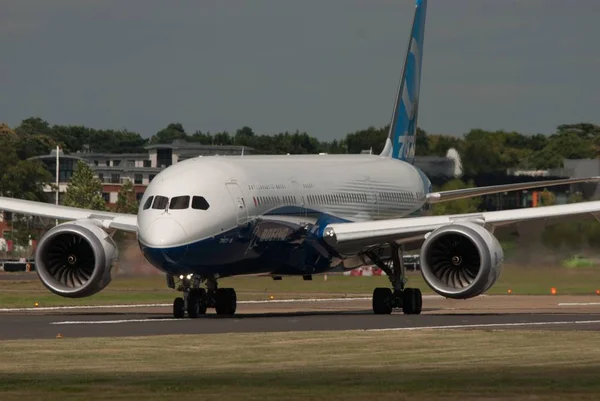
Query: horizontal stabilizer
x=444, y=196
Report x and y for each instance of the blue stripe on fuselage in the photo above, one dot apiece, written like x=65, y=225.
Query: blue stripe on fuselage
x=263, y=246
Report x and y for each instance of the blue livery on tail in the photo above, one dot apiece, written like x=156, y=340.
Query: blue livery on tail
x=401, y=140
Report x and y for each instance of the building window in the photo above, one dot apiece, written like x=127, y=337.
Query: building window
x=164, y=157
x=108, y=163
x=116, y=163
x=147, y=163
x=96, y=163
x=101, y=177
x=137, y=179
x=151, y=177
x=130, y=163
x=139, y=196
x=115, y=178
x=106, y=196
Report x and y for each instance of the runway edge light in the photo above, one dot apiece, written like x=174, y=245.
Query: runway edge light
x=553, y=291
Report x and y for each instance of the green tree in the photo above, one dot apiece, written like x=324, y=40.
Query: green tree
x=168, y=135
x=84, y=190
x=126, y=201
x=33, y=126
x=5, y=130
x=370, y=138
x=23, y=179
x=468, y=205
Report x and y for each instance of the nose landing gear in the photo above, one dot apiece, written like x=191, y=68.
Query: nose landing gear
x=196, y=300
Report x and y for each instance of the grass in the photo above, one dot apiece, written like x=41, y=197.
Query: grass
x=448, y=365
x=153, y=289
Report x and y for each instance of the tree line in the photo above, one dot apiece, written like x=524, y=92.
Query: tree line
x=482, y=152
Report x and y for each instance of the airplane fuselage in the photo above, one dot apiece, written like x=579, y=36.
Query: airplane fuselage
x=255, y=215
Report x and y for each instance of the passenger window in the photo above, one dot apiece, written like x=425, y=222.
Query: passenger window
x=198, y=202
x=160, y=202
x=180, y=202
x=148, y=202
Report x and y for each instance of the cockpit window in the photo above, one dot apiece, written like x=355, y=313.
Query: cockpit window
x=160, y=202
x=180, y=202
x=148, y=202
x=198, y=202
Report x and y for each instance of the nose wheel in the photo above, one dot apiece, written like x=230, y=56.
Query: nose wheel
x=196, y=300
x=225, y=301
x=178, y=308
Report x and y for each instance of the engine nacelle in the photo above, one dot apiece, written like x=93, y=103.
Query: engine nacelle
x=461, y=260
x=75, y=259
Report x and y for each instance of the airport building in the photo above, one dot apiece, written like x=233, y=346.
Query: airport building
x=112, y=169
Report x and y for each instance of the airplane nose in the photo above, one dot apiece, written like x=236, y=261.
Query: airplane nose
x=167, y=235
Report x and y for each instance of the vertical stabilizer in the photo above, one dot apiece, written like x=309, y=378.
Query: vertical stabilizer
x=401, y=140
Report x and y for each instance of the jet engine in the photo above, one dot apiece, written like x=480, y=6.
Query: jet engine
x=461, y=260
x=75, y=259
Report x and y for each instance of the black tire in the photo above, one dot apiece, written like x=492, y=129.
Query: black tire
x=225, y=301
x=412, y=301
x=197, y=302
x=419, y=305
x=382, y=301
x=178, y=308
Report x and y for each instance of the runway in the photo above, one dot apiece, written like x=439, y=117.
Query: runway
x=490, y=312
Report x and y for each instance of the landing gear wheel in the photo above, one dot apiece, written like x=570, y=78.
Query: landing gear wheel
x=197, y=302
x=178, y=308
x=382, y=301
x=412, y=301
x=225, y=301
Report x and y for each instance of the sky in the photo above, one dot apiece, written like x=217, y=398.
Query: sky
x=327, y=67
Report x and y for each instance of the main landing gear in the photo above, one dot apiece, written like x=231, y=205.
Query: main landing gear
x=196, y=300
x=386, y=299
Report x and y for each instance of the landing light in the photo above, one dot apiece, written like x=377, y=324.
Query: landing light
x=189, y=276
x=181, y=277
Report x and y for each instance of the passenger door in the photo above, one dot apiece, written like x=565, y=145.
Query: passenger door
x=299, y=197
x=237, y=196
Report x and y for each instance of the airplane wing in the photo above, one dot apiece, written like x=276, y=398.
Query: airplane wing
x=362, y=235
x=444, y=196
x=119, y=221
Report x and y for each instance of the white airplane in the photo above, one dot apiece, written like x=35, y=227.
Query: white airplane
x=293, y=215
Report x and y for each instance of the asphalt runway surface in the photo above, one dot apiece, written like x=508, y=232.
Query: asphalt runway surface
x=486, y=312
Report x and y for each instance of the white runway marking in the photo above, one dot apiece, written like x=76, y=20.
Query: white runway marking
x=579, y=304
x=458, y=326
x=265, y=301
x=118, y=321
x=468, y=326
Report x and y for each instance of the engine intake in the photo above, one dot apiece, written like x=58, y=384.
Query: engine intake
x=75, y=259
x=461, y=260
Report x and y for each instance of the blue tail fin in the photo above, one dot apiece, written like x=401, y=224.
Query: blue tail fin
x=401, y=140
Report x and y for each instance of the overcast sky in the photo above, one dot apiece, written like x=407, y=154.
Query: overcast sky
x=327, y=67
